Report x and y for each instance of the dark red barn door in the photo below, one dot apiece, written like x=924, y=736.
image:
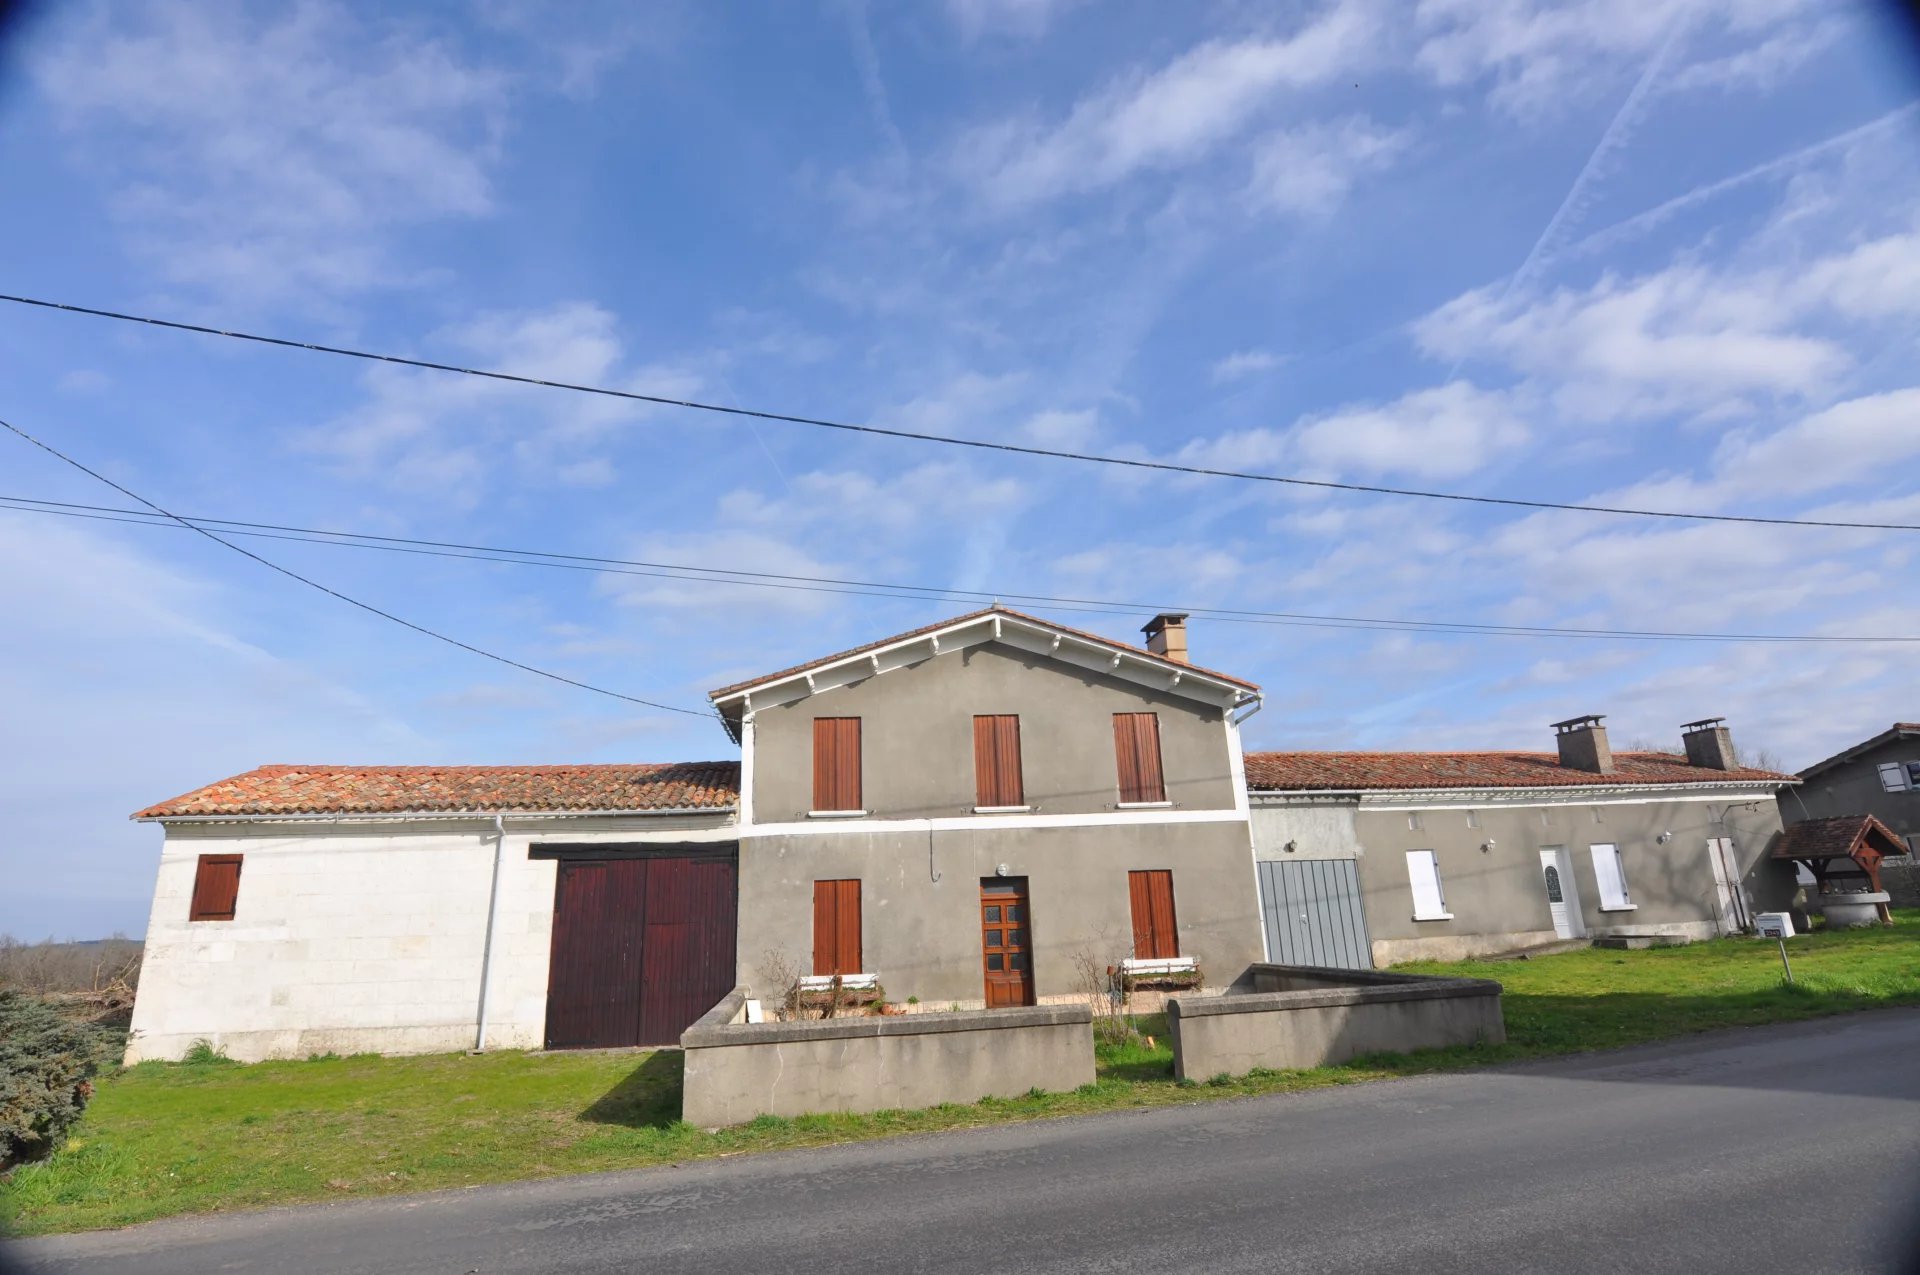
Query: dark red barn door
x=642, y=947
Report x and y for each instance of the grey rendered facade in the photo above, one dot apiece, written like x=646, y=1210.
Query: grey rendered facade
x=920, y=849
x=1691, y=841
x=1859, y=781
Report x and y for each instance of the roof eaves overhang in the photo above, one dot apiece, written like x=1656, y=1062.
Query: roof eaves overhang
x=1093, y=655
x=1845, y=755
x=400, y=816
x=1456, y=796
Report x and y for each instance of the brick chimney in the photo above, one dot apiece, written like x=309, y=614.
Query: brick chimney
x=1167, y=636
x=1709, y=744
x=1583, y=744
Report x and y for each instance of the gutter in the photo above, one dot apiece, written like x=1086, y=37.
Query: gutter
x=493, y=925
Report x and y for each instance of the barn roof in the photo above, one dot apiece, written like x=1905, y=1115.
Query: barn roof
x=325, y=790
x=1350, y=772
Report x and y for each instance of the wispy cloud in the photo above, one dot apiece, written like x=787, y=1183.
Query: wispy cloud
x=271, y=158
x=1242, y=364
x=1160, y=120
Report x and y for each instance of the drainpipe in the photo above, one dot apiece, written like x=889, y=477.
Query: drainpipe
x=493, y=924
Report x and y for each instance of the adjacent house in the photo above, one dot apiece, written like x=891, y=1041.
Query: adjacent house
x=1374, y=858
x=975, y=812
x=1879, y=776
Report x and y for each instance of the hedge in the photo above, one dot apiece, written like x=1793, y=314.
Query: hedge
x=46, y=1061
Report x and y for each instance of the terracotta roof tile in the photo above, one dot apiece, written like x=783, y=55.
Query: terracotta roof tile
x=1346, y=772
x=1836, y=838
x=299, y=790
x=962, y=619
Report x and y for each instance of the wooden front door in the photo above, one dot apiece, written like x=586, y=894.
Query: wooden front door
x=642, y=946
x=1006, y=941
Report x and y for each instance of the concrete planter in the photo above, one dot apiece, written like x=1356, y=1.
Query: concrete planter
x=1851, y=911
x=737, y=1070
x=1309, y=1016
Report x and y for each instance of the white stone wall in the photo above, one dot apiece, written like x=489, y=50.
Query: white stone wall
x=361, y=937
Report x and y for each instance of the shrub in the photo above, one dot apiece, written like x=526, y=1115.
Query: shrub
x=46, y=1062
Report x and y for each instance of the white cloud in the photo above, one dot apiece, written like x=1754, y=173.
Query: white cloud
x=433, y=433
x=1307, y=171
x=1242, y=364
x=1018, y=19
x=1543, y=54
x=1849, y=441
x=271, y=157
x=1445, y=432
x=1760, y=67
x=1682, y=340
x=1164, y=120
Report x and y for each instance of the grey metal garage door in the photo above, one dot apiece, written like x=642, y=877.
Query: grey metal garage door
x=1311, y=908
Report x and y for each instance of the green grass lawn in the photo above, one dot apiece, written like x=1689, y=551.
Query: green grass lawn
x=168, y=1138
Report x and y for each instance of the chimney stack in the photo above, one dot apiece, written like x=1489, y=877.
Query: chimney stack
x=1583, y=744
x=1167, y=637
x=1709, y=744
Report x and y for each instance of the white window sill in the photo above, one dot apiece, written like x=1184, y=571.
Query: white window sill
x=1146, y=805
x=1624, y=907
x=1158, y=965
x=836, y=814
x=1436, y=916
x=1002, y=810
x=848, y=982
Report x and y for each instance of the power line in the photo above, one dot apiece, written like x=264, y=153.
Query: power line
x=884, y=589
x=948, y=440
x=335, y=593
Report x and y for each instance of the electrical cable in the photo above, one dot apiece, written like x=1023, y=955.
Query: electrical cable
x=944, y=439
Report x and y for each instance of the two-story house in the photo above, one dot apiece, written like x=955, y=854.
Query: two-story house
x=969, y=813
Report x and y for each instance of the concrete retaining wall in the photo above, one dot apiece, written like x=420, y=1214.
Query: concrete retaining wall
x=736, y=1070
x=1308, y=1016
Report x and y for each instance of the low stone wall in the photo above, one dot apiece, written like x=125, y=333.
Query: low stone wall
x=735, y=1070
x=1309, y=1016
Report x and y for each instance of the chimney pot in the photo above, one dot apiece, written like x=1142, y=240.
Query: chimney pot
x=1583, y=744
x=1167, y=636
x=1709, y=744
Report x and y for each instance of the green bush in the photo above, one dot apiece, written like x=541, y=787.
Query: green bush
x=46, y=1064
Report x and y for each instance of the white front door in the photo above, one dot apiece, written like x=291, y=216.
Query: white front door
x=1562, y=900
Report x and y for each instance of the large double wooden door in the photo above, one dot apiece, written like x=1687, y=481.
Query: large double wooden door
x=642, y=946
x=1006, y=941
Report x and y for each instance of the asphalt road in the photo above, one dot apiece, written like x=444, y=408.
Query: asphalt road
x=1780, y=1149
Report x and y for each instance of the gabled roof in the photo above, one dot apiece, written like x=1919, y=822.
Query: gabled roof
x=1837, y=838
x=328, y=790
x=1359, y=772
x=1136, y=654
x=1899, y=730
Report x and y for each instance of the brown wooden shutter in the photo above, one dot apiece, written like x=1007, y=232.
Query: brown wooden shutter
x=996, y=761
x=836, y=927
x=216, y=887
x=1155, y=935
x=1136, y=747
x=836, y=763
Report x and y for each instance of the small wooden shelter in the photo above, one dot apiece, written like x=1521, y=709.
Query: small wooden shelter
x=1842, y=851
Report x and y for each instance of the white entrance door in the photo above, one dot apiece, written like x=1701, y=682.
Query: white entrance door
x=1562, y=900
x=1729, y=896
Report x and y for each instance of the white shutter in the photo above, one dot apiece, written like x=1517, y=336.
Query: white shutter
x=1423, y=871
x=1893, y=776
x=1612, y=877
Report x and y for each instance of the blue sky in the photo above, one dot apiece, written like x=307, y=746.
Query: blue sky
x=1631, y=252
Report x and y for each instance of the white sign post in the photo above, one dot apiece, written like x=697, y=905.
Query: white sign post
x=1779, y=927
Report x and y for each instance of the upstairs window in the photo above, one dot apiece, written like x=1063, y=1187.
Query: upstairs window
x=997, y=781
x=1155, y=934
x=836, y=763
x=836, y=927
x=216, y=887
x=1612, y=876
x=1423, y=874
x=1894, y=777
x=1136, y=747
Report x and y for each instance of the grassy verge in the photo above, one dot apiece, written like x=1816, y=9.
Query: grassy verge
x=169, y=1138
